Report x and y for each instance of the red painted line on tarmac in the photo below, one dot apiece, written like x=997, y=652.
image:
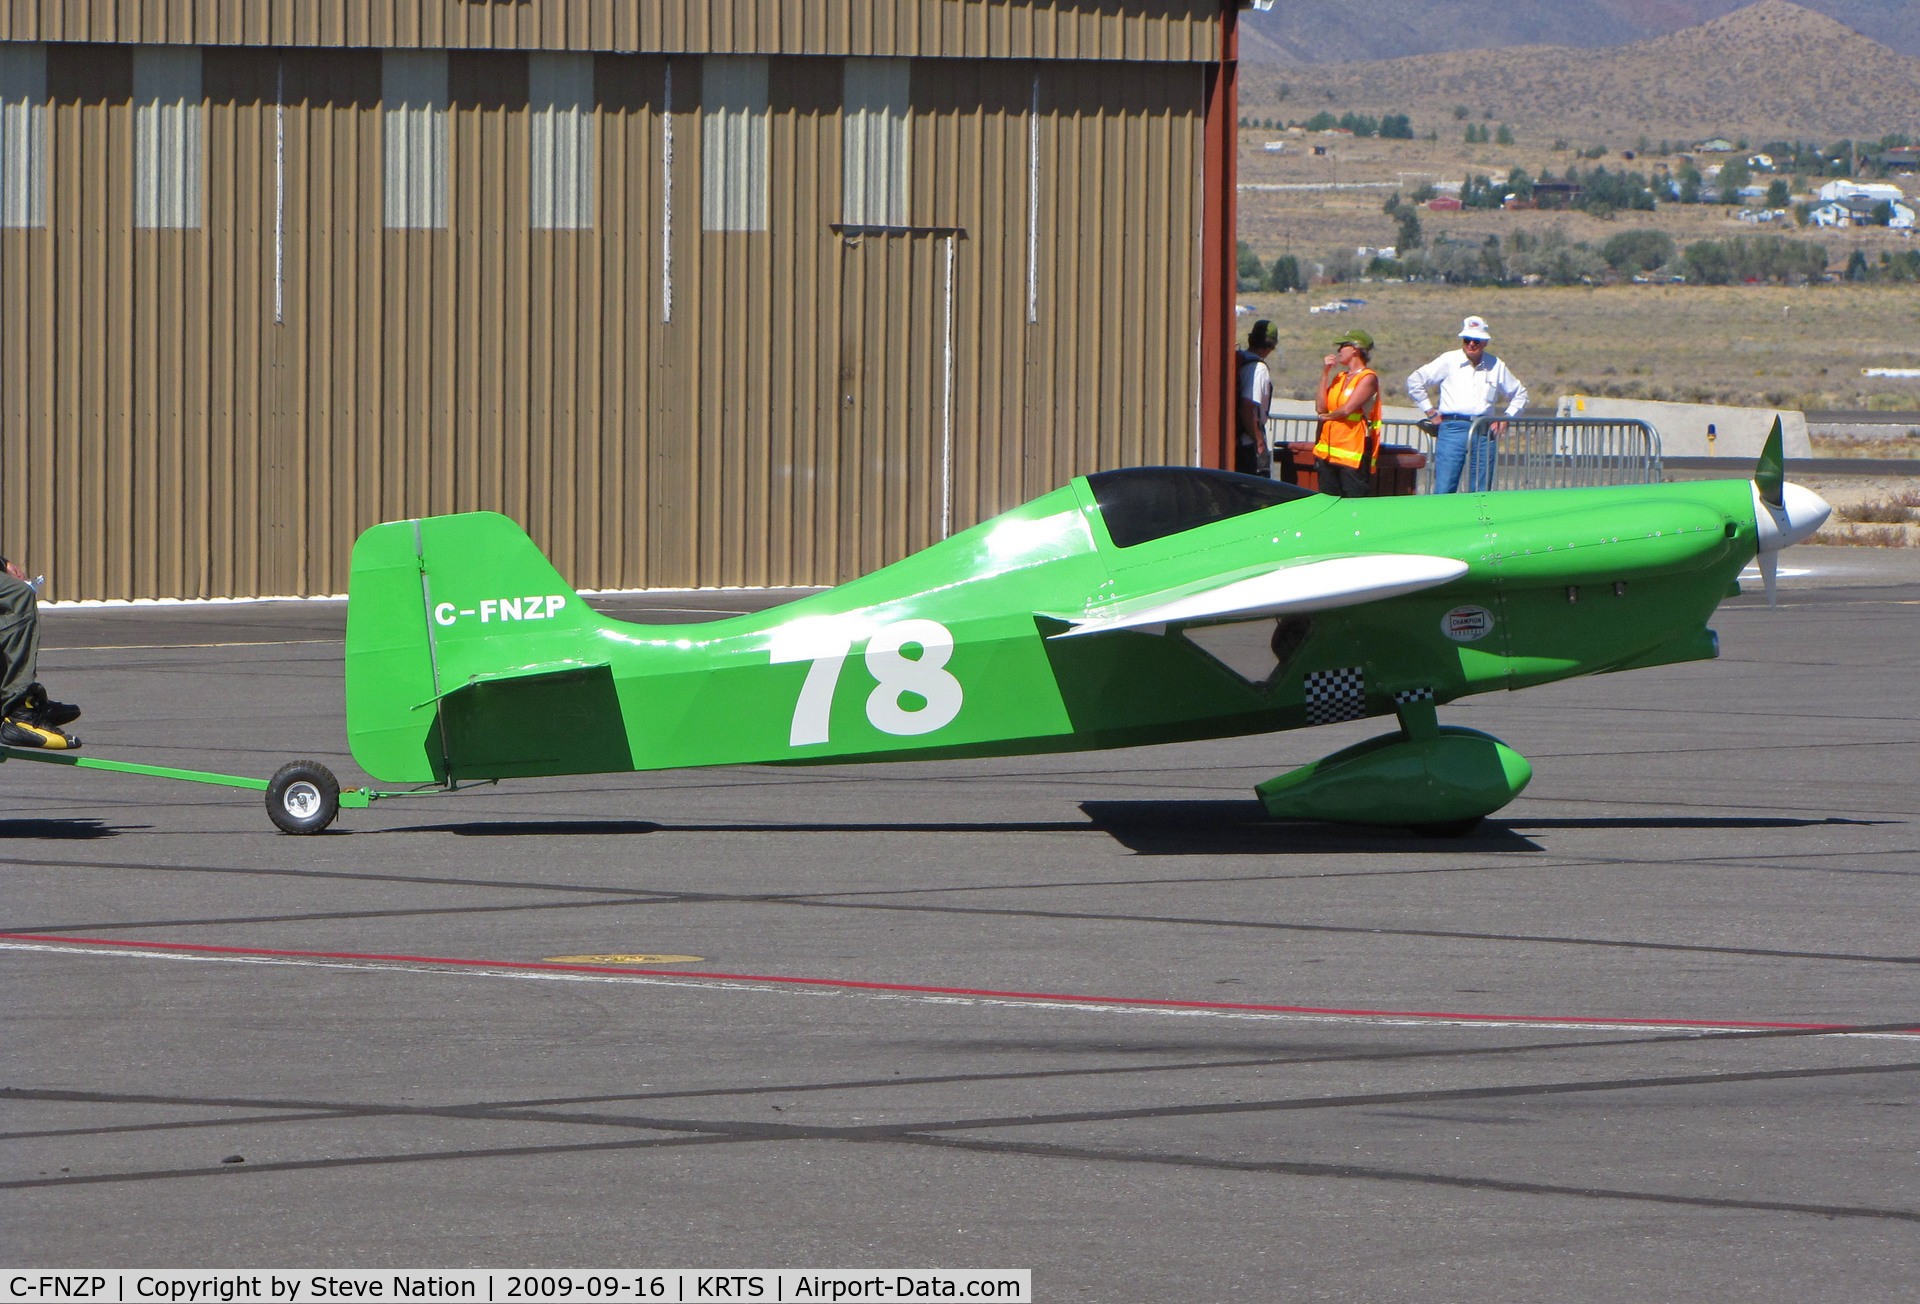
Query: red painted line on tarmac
x=916, y=988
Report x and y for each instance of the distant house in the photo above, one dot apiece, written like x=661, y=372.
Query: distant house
x=1444, y=204
x=1901, y=158
x=1714, y=146
x=1874, y=190
x=1858, y=210
x=1555, y=194
x=1764, y=162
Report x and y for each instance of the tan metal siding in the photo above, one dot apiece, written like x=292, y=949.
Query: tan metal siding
x=1140, y=30
x=788, y=425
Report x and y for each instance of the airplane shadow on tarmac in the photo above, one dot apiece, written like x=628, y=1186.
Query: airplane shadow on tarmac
x=1147, y=828
x=1243, y=827
x=1156, y=828
x=57, y=830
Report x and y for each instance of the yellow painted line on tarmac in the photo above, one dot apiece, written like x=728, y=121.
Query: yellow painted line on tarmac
x=624, y=959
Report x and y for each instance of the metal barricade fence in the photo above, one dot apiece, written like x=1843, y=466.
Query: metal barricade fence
x=1573, y=453
x=1529, y=452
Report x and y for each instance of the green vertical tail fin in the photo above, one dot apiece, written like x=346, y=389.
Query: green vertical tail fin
x=456, y=626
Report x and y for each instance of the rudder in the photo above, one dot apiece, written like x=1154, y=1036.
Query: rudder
x=452, y=620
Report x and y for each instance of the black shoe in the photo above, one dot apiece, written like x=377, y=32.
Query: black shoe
x=17, y=732
x=37, y=708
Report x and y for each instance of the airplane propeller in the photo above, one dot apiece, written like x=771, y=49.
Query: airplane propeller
x=1783, y=513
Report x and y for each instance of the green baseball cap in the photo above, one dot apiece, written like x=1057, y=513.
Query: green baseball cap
x=1356, y=337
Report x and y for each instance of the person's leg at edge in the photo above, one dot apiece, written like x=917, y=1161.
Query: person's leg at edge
x=27, y=717
x=19, y=641
x=1480, y=451
x=1449, y=454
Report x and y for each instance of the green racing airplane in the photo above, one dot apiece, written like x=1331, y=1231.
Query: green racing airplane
x=1135, y=606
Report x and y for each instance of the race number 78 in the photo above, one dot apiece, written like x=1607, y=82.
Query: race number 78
x=895, y=674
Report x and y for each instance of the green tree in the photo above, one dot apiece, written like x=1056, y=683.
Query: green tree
x=1504, y=136
x=1494, y=266
x=1708, y=262
x=1733, y=174
x=1286, y=274
x=1883, y=213
x=1252, y=272
x=1690, y=183
x=1396, y=126
x=1322, y=121
x=1778, y=193
x=1459, y=112
x=1410, y=234
x=1857, y=266
x=1633, y=252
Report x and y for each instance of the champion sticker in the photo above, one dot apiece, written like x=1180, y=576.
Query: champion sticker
x=1466, y=624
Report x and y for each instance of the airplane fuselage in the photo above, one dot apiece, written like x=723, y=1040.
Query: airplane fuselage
x=469, y=658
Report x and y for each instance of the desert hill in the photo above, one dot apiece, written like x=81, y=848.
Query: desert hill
x=1367, y=30
x=1770, y=70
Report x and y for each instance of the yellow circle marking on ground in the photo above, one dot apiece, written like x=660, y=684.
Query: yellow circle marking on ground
x=624, y=959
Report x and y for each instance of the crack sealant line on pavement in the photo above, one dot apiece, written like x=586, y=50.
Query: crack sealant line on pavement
x=889, y=991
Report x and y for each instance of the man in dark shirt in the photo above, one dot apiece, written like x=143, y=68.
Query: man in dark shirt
x=1253, y=397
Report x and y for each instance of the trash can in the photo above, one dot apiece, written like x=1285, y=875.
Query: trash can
x=1396, y=470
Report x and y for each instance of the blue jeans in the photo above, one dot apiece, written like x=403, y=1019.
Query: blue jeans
x=1454, y=449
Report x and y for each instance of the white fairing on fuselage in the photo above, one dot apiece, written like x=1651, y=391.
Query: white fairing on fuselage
x=1315, y=586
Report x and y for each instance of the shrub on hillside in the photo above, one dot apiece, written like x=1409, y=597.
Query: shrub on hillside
x=1286, y=274
x=1902, y=266
x=1252, y=273
x=1633, y=252
x=1757, y=258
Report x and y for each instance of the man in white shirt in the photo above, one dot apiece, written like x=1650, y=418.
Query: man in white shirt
x=1254, y=397
x=1472, y=383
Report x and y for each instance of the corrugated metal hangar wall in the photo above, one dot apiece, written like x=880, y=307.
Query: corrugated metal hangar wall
x=794, y=290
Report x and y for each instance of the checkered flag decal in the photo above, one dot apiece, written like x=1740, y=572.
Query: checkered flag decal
x=1406, y=695
x=1334, y=695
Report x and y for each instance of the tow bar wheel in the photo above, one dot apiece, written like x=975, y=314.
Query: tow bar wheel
x=302, y=797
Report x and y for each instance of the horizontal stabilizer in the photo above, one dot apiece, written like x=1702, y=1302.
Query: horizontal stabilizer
x=1313, y=586
x=541, y=671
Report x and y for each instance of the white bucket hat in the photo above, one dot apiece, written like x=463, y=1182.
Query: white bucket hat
x=1475, y=328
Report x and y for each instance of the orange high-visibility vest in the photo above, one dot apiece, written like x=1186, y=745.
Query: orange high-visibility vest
x=1348, y=440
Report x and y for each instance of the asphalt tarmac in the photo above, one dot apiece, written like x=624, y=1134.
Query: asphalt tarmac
x=1652, y=1033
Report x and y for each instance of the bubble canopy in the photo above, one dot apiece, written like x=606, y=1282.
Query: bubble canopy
x=1142, y=503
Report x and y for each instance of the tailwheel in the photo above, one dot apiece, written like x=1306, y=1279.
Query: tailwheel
x=302, y=797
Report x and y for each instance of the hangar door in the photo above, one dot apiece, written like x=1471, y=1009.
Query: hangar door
x=896, y=393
